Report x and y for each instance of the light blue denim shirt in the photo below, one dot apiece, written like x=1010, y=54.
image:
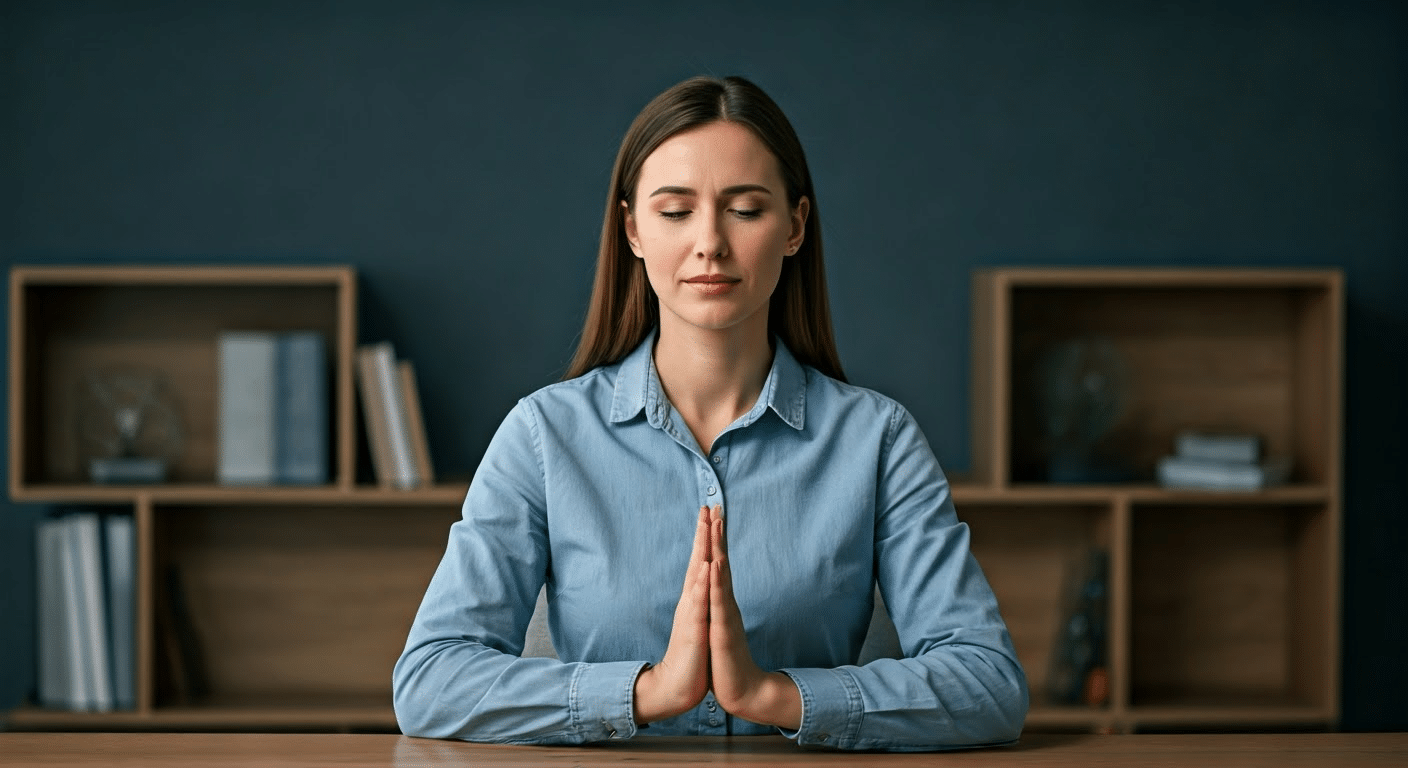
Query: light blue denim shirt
x=593, y=486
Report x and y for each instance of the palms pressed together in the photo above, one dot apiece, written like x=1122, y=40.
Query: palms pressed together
x=708, y=649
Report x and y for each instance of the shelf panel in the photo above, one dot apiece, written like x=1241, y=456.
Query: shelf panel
x=1144, y=277
x=182, y=275
x=1250, y=716
x=1068, y=718
x=310, y=715
x=1046, y=493
x=208, y=493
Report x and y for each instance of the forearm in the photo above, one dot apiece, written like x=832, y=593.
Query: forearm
x=465, y=690
x=954, y=696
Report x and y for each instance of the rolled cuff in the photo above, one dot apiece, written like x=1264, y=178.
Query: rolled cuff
x=603, y=700
x=832, y=708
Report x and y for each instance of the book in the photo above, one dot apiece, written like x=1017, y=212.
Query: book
x=273, y=408
x=1203, y=474
x=90, y=611
x=56, y=683
x=386, y=412
x=1240, y=448
x=179, y=643
x=121, y=568
x=246, y=412
x=415, y=423
x=369, y=387
x=301, y=409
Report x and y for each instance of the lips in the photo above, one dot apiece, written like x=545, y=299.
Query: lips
x=712, y=279
x=712, y=285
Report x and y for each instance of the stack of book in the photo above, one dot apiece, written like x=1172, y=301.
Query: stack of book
x=1220, y=462
x=273, y=411
x=87, y=612
x=395, y=426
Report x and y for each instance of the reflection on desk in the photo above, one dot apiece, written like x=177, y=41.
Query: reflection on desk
x=164, y=750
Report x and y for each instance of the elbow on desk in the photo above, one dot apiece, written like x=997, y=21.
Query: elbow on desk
x=1010, y=707
x=414, y=694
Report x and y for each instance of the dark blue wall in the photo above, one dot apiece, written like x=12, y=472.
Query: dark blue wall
x=458, y=155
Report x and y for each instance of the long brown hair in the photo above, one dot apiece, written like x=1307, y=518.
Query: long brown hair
x=624, y=308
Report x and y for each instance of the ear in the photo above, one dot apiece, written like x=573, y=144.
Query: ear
x=632, y=235
x=799, y=225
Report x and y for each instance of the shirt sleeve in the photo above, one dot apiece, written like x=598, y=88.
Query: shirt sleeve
x=461, y=675
x=959, y=683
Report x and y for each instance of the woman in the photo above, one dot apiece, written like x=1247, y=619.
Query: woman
x=706, y=389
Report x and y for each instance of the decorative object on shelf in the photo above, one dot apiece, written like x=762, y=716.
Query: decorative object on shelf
x=183, y=652
x=1078, y=673
x=129, y=428
x=1221, y=462
x=1081, y=393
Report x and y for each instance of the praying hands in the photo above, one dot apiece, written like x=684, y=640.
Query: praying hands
x=708, y=649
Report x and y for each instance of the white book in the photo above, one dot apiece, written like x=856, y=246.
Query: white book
x=55, y=670
x=92, y=610
x=71, y=573
x=247, y=421
x=415, y=421
x=393, y=406
x=1202, y=474
x=122, y=608
x=1218, y=447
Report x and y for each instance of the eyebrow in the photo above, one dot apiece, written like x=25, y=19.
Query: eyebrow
x=737, y=189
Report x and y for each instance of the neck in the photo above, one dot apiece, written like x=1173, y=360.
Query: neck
x=712, y=377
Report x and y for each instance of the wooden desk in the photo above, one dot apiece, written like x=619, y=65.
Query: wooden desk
x=163, y=750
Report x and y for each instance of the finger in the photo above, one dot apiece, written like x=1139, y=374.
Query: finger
x=717, y=537
x=702, y=535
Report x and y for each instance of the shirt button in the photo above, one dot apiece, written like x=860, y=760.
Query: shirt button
x=711, y=490
x=713, y=721
x=718, y=459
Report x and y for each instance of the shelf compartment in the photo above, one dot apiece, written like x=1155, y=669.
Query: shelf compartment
x=1031, y=553
x=288, y=605
x=1233, y=611
x=1255, y=351
x=69, y=322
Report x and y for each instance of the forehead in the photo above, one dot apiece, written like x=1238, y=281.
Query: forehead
x=720, y=152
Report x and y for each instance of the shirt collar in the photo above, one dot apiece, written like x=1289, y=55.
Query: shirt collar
x=638, y=388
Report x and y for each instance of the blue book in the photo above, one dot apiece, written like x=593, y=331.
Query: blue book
x=121, y=568
x=301, y=405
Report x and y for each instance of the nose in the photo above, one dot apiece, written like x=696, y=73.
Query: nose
x=710, y=242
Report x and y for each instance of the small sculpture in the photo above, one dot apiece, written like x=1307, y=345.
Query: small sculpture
x=128, y=426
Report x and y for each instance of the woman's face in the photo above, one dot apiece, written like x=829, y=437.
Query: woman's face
x=712, y=225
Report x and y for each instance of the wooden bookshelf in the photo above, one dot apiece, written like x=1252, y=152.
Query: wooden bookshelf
x=300, y=597
x=1223, y=607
